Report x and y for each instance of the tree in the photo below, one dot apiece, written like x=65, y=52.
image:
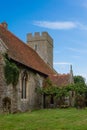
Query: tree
x=79, y=79
x=79, y=84
x=81, y=90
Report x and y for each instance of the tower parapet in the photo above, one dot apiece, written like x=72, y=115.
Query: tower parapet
x=38, y=37
x=43, y=45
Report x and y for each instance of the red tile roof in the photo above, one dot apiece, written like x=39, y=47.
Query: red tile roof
x=22, y=53
x=60, y=79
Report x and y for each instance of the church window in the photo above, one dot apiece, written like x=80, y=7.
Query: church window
x=24, y=86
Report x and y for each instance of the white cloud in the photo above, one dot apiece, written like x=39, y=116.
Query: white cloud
x=62, y=63
x=56, y=25
x=60, y=25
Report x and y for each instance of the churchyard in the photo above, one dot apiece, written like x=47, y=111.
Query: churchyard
x=46, y=119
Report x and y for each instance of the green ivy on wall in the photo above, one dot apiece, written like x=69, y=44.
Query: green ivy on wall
x=11, y=72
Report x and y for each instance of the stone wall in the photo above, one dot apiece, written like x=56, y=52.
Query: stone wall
x=3, y=87
x=11, y=96
x=33, y=100
x=6, y=91
x=1, y=81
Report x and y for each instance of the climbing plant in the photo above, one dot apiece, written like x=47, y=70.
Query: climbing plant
x=59, y=92
x=50, y=89
x=11, y=72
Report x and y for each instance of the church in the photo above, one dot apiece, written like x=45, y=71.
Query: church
x=34, y=63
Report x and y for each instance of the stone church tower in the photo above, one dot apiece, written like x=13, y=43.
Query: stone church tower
x=43, y=45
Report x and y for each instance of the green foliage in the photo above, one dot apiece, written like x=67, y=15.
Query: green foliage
x=51, y=89
x=79, y=79
x=79, y=88
x=62, y=92
x=58, y=91
x=11, y=72
x=80, y=101
x=48, y=83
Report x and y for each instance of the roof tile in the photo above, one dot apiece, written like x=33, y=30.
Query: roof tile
x=60, y=79
x=22, y=53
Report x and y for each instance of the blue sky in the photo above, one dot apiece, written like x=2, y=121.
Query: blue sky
x=64, y=20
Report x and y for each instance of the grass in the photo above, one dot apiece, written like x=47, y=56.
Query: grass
x=48, y=119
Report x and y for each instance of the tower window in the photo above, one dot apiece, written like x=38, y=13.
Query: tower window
x=35, y=47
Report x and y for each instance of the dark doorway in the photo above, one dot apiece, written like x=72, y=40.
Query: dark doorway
x=6, y=104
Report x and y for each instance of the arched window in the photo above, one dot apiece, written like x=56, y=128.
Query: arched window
x=24, y=85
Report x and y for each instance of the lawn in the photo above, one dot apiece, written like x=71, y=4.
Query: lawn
x=47, y=119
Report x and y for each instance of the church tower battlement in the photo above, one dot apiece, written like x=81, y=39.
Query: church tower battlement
x=43, y=45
